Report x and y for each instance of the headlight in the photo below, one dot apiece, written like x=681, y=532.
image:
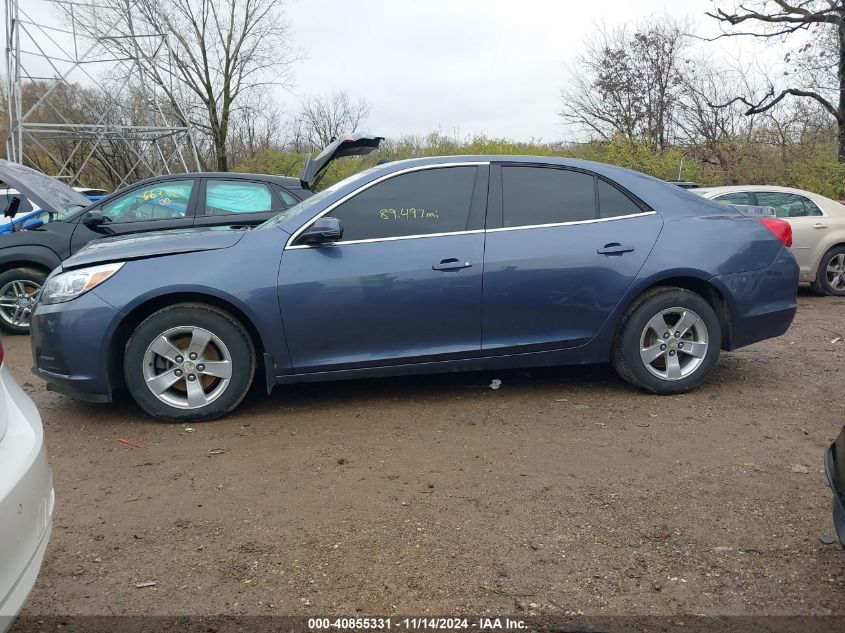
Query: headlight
x=69, y=285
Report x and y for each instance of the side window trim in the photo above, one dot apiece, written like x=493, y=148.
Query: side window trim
x=478, y=202
x=200, y=205
x=495, y=196
x=291, y=242
x=639, y=214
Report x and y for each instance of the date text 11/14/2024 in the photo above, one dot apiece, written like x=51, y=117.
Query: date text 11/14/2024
x=417, y=624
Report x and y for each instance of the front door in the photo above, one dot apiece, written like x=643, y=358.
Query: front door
x=562, y=248
x=167, y=204
x=403, y=285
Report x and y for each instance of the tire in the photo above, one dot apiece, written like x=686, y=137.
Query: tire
x=830, y=276
x=642, y=329
x=158, y=357
x=16, y=286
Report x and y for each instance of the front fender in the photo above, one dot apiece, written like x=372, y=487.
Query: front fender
x=40, y=256
x=243, y=276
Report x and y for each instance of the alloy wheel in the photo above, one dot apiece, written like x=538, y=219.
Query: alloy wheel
x=187, y=367
x=17, y=301
x=835, y=272
x=673, y=343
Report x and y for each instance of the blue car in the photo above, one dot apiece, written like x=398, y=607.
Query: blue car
x=425, y=265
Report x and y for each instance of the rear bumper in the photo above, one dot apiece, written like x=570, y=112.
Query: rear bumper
x=70, y=346
x=14, y=601
x=26, y=498
x=762, y=302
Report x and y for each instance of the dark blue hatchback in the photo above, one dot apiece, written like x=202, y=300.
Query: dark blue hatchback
x=427, y=265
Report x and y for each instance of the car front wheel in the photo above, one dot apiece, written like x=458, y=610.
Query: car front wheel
x=19, y=288
x=189, y=362
x=830, y=277
x=668, y=342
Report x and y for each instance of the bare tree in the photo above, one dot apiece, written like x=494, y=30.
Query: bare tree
x=782, y=18
x=628, y=82
x=716, y=134
x=325, y=117
x=219, y=52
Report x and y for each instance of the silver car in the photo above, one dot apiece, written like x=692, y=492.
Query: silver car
x=818, y=229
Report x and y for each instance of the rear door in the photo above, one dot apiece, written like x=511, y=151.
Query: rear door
x=237, y=202
x=562, y=248
x=404, y=283
x=167, y=204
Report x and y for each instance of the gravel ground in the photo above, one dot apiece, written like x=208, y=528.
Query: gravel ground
x=564, y=491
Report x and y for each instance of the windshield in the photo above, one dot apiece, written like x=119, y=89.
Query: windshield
x=66, y=214
x=310, y=203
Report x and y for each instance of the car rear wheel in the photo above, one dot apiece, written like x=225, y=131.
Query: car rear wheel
x=830, y=277
x=189, y=362
x=19, y=290
x=668, y=342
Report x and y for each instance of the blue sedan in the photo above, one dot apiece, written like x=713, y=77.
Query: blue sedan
x=426, y=265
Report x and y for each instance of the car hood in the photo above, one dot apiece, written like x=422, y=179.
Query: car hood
x=155, y=244
x=45, y=191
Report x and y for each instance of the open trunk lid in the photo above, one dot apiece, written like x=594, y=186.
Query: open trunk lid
x=346, y=145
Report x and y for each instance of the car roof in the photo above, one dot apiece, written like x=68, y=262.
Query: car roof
x=575, y=163
x=286, y=181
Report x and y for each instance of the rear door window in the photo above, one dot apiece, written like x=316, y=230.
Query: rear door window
x=224, y=197
x=788, y=205
x=417, y=203
x=544, y=195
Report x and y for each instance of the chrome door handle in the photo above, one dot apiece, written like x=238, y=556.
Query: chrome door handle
x=451, y=264
x=819, y=225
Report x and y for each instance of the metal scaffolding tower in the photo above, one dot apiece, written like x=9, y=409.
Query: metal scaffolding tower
x=50, y=54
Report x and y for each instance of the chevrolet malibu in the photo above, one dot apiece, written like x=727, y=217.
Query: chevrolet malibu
x=426, y=265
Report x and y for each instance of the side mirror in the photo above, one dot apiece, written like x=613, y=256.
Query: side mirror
x=13, y=208
x=34, y=221
x=323, y=231
x=93, y=219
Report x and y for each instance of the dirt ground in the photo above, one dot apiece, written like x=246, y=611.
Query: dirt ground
x=562, y=491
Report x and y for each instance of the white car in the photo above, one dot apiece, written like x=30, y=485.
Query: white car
x=26, y=496
x=818, y=229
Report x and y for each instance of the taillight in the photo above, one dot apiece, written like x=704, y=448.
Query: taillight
x=2, y=353
x=781, y=229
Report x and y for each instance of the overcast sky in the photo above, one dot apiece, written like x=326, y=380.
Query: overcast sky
x=465, y=66
x=492, y=66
